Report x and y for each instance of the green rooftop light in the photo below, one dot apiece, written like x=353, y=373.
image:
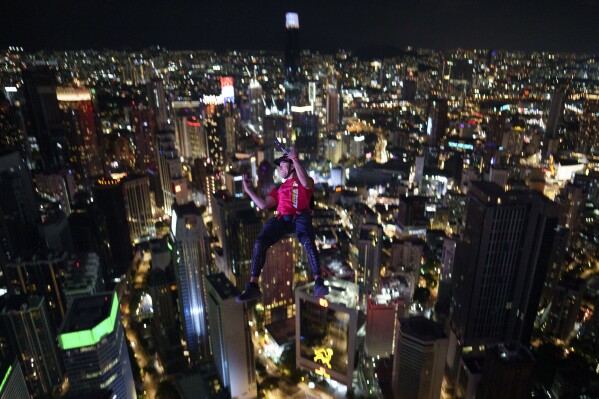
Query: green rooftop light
x=5, y=378
x=80, y=339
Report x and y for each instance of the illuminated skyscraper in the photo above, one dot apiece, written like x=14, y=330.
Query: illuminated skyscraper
x=144, y=138
x=232, y=345
x=94, y=348
x=191, y=254
x=12, y=380
x=438, y=121
x=419, y=359
x=172, y=181
x=306, y=127
x=26, y=326
x=368, y=262
x=256, y=104
x=293, y=71
x=500, y=267
x=381, y=315
x=325, y=331
x=79, y=122
x=157, y=99
x=277, y=281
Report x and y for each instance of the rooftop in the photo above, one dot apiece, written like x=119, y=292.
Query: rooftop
x=223, y=286
x=422, y=328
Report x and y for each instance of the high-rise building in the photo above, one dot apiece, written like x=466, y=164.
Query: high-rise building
x=438, y=121
x=27, y=328
x=556, y=110
x=508, y=372
x=138, y=206
x=79, y=121
x=83, y=276
x=277, y=281
x=43, y=276
x=94, y=349
x=144, y=138
x=293, y=69
x=158, y=102
x=368, y=262
x=501, y=264
x=43, y=119
x=334, y=105
x=231, y=338
x=173, y=183
x=237, y=227
x=192, y=261
x=306, y=127
x=18, y=209
x=419, y=359
x=58, y=186
x=257, y=105
x=12, y=380
x=587, y=139
x=326, y=329
x=381, y=314
x=564, y=308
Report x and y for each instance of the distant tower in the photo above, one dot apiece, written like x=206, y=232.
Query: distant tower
x=370, y=246
x=173, y=185
x=333, y=108
x=144, y=138
x=293, y=72
x=231, y=338
x=419, y=359
x=94, y=348
x=157, y=101
x=12, y=380
x=26, y=326
x=438, y=121
x=556, y=109
x=192, y=263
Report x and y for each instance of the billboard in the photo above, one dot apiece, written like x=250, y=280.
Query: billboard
x=227, y=89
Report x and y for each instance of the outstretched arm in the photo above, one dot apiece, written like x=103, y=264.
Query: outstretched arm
x=262, y=203
x=302, y=175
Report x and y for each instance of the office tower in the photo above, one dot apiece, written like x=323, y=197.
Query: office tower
x=83, y=276
x=293, y=71
x=230, y=126
x=79, y=121
x=164, y=326
x=231, y=338
x=419, y=359
x=18, y=209
x=54, y=232
x=40, y=275
x=469, y=375
x=407, y=253
x=257, y=105
x=326, y=329
x=411, y=213
x=564, y=308
x=94, y=349
x=500, y=267
x=191, y=138
x=448, y=258
x=144, y=131
x=571, y=200
x=158, y=102
x=587, y=139
x=276, y=281
x=12, y=125
x=556, y=110
x=27, y=328
x=12, y=380
x=333, y=108
x=57, y=186
x=499, y=175
x=237, y=227
x=508, y=372
x=172, y=181
x=381, y=314
x=192, y=262
x=306, y=126
x=43, y=119
x=216, y=141
x=369, y=257
x=138, y=206
x=438, y=121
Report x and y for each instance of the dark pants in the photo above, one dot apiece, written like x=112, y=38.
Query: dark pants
x=277, y=227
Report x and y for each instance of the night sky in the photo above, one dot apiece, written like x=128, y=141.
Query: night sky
x=564, y=25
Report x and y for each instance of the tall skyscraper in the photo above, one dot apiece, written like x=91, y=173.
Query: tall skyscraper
x=277, y=281
x=556, y=110
x=231, y=338
x=293, y=71
x=438, y=121
x=192, y=261
x=306, y=127
x=334, y=104
x=12, y=380
x=419, y=359
x=138, y=206
x=18, y=209
x=256, y=104
x=173, y=183
x=94, y=348
x=381, y=314
x=26, y=326
x=158, y=102
x=368, y=262
x=144, y=138
x=79, y=121
x=43, y=276
x=501, y=264
x=237, y=226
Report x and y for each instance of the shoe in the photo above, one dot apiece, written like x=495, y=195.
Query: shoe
x=320, y=290
x=251, y=292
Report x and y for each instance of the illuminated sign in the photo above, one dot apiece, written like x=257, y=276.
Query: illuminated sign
x=323, y=302
x=194, y=124
x=227, y=89
x=177, y=188
x=462, y=146
x=300, y=110
x=80, y=339
x=213, y=100
x=324, y=356
x=291, y=20
x=73, y=94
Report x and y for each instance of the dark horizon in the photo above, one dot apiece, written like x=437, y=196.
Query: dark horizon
x=553, y=25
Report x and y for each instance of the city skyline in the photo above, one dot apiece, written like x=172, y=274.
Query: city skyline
x=380, y=28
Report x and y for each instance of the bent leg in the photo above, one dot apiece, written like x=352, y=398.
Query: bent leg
x=272, y=232
x=304, y=231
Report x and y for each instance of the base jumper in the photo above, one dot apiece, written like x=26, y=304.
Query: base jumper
x=294, y=216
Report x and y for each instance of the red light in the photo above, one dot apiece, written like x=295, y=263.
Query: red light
x=194, y=124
